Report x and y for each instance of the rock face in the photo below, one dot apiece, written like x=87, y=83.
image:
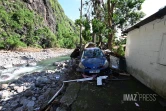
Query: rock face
x=52, y=13
x=44, y=8
x=35, y=23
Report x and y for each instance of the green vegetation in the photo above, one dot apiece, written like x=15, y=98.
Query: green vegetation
x=67, y=33
x=21, y=27
x=108, y=17
x=119, y=46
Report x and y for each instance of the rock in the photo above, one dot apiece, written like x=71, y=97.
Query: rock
x=4, y=94
x=64, y=69
x=64, y=64
x=30, y=108
x=28, y=93
x=47, y=50
x=19, y=109
x=60, y=65
x=6, y=106
x=24, y=101
x=14, y=104
x=56, y=63
x=47, y=93
x=57, y=71
x=33, y=98
x=4, y=109
x=49, y=71
x=3, y=86
x=20, y=89
x=43, y=80
x=32, y=64
x=40, y=98
x=37, y=84
x=8, y=66
x=11, y=86
x=3, y=103
x=30, y=103
x=14, y=93
x=3, y=77
x=57, y=77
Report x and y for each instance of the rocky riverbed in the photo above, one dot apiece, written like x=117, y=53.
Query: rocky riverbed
x=11, y=58
x=32, y=92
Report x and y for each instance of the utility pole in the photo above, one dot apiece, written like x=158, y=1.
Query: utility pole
x=81, y=26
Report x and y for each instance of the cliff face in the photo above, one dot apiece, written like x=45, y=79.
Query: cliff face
x=40, y=23
x=45, y=10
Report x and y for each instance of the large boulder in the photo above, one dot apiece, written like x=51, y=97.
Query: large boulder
x=43, y=80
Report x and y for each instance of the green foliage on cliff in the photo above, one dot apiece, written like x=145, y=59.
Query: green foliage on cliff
x=21, y=27
x=65, y=27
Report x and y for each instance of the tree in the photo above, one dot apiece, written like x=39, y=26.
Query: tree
x=115, y=14
x=85, y=32
x=122, y=13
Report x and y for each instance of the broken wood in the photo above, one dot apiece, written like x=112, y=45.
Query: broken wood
x=124, y=74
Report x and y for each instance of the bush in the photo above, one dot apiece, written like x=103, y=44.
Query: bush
x=13, y=42
x=45, y=37
x=68, y=41
x=120, y=51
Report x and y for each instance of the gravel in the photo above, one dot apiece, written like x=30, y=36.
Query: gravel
x=10, y=58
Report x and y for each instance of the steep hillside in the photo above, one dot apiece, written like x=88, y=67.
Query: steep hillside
x=35, y=23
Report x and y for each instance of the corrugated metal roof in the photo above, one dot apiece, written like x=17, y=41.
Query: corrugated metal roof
x=153, y=17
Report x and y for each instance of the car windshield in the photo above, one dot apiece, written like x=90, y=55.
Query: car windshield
x=92, y=53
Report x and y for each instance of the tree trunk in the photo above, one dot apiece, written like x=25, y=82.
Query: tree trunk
x=110, y=15
x=110, y=41
x=81, y=26
x=100, y=40
x=94, y=38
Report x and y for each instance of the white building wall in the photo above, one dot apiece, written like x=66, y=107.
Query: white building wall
x=146, y=55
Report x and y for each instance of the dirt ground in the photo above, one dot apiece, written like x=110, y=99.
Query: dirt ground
x=87, y=96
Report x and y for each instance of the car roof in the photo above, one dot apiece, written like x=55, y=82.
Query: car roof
x=91, y=48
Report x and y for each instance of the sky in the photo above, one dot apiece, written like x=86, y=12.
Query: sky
x=71, y=7
x=149, y=7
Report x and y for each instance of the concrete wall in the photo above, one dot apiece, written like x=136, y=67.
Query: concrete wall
x=146, y=55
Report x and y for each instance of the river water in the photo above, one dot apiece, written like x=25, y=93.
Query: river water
x=17, y=71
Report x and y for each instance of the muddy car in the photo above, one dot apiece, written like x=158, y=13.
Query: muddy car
x=93, y=62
